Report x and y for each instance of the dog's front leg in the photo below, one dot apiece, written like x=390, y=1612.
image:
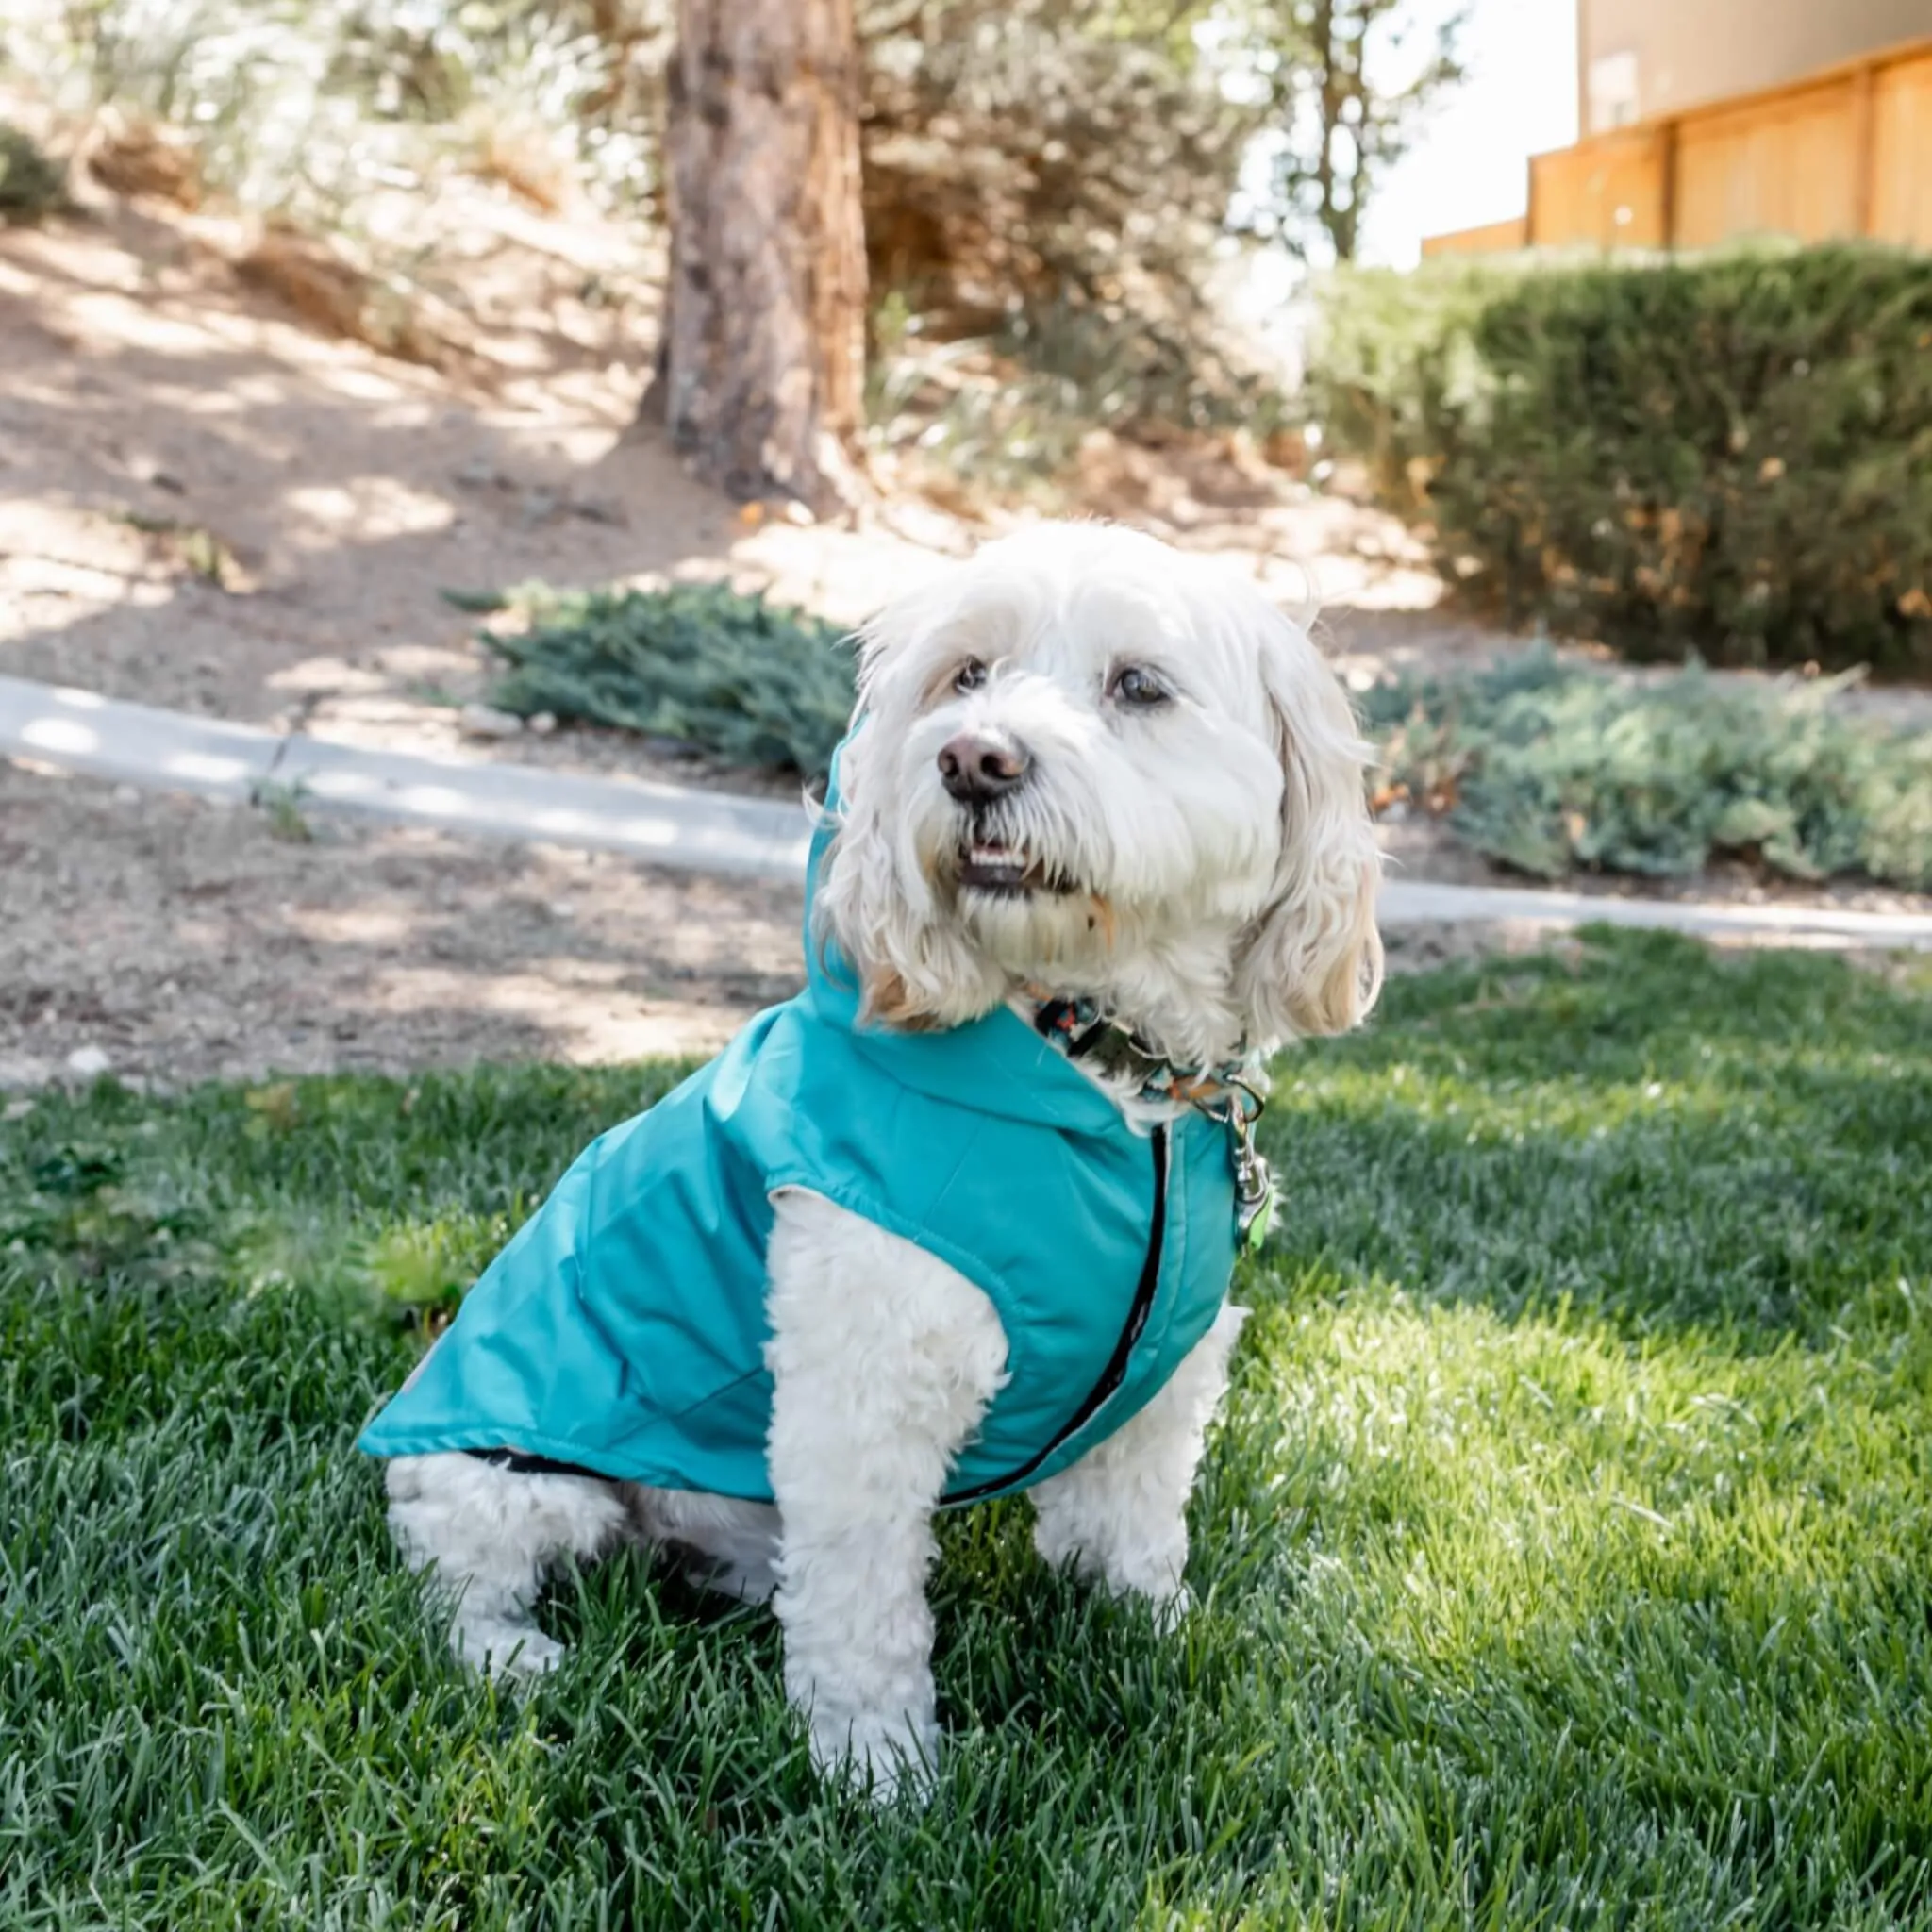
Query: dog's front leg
x=883, y=1360
x=1120, y=1513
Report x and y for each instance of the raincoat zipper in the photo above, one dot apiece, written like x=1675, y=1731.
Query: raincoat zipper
x=1116, y=1371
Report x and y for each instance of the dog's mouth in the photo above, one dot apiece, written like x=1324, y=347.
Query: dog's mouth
x=987, y=865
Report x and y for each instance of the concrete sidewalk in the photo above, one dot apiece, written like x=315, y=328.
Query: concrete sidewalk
x=705, y=831
x=168, y=751
x=1417, y=903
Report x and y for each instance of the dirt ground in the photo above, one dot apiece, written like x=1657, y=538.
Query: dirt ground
x=148, y=394
x=210, y=503
x=173, y=939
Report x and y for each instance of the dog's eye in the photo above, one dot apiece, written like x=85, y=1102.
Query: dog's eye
x=1137, y=689
x=969, y=676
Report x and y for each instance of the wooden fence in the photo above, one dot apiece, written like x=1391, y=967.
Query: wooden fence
x=1492, y=237
x=1843, y=152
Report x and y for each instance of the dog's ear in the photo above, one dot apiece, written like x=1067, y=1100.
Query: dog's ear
x=872, y=901
x=1312, y=963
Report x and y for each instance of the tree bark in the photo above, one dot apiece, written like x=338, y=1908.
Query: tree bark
x=760, y=373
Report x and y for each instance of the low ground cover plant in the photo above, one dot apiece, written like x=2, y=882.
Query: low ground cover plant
x=33, y=184
x=737, y=679
x=1554, y=768
x=1544, y=765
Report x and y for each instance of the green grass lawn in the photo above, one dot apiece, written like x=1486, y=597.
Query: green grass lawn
x=1565, y=1559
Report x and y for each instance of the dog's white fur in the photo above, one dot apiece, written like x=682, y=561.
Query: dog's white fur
x=1219, y=875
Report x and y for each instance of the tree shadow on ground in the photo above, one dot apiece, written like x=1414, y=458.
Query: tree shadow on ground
x=183, y=941
x=147, y=388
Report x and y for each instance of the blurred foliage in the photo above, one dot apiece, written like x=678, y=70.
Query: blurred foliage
x=307, y=106
x=1730, y=454
x=1046, y=180
x=749, y=682
x=1032, y=159
x=32, y=183
x=1048, y=184
x=1012, y=413
x=1554, y=768
x=1347, y=96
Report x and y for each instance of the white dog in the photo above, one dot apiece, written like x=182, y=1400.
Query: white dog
x=1102, y=809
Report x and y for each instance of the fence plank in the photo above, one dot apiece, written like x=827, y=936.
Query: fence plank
x=1488, y=238
x=1902, y=153
x=1609, y=190
x=1788, y=168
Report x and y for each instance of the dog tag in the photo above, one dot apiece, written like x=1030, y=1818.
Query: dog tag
x=1254, y=1221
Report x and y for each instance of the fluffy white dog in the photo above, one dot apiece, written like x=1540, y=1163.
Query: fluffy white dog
x=1105, y=788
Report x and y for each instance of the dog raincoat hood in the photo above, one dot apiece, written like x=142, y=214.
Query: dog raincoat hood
x=622, y=1331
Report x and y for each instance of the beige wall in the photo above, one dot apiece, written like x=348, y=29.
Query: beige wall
x=1688, y=51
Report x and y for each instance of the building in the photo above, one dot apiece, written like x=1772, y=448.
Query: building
x=1715, y=121
x=1638, y=60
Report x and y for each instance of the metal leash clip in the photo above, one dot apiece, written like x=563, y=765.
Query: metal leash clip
x=1254, y=1183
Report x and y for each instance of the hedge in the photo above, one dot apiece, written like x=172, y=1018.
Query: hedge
x=1728, y=456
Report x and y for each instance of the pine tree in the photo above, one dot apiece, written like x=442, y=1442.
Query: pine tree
x=761, y=369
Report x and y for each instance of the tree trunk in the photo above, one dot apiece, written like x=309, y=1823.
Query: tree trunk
x=761, y=370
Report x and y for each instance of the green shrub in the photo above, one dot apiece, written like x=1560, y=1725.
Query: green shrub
x=749, y=682
x=1553, y=768
x=1547, y=767
x=32, y=184
x=1728, y=456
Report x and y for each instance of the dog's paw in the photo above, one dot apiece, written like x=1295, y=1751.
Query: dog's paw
x=509, y=1651
x=1157, y=1583
x=889, y=1757
x=743, y=1583
x=1170, y=1611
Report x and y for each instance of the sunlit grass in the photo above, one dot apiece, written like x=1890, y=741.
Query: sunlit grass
x=1565, y=1559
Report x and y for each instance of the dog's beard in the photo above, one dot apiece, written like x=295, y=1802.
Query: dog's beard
x=1000, y=854
x=1004, y=876
x=1039, y=935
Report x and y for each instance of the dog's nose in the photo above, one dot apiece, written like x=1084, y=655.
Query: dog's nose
x=976, y=767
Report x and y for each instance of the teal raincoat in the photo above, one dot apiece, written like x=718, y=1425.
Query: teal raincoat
x=622, y=1331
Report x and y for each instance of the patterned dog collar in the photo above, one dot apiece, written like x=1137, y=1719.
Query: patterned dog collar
x=1229, y=1091
x=1080, y=1030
